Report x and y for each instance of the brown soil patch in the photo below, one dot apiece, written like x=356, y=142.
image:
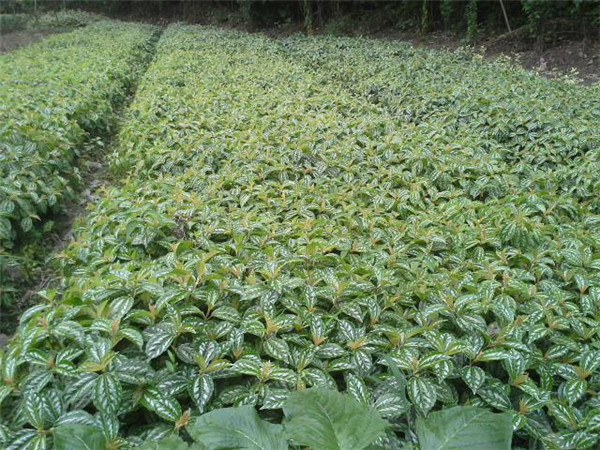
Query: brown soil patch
x=582, y=56
x=18, y=39
x=550, y=59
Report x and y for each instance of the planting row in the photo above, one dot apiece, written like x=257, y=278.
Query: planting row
x=279, y=229
x=54, y=96
x=200, y=130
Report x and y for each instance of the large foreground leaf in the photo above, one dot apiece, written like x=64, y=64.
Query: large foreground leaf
x=324, y=419
x=78, y=437
x=465, y=427
x=237, y=428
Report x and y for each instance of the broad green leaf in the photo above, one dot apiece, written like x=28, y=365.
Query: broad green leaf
x=328, y=420
x=465, y=427
x=240, y=428
x=78, y=437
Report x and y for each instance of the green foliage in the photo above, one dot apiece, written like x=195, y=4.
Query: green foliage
x=487, y=111
x=328, y=420
x=446, y=11
x=61, y=20
x=78, y=437
x=416, y=229
x=315, y=418
x=471, y=16
x=424, y=16
x=172, y=442
x=240, y=428
x=12, y=22
x=46, y=123
x=64, y=19
x=308, y=15
x=465, y=427
x=56, y=96
x=339, y=26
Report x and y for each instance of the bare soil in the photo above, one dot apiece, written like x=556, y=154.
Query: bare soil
x=18, y=39
x=565, y=53
x=549, y=59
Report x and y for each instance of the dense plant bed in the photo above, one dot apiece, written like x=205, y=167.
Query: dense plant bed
x=528, y=180
x=543, y=130
x=55, y=96
x=276, y=231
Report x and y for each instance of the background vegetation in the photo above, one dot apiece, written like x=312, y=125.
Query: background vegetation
x=541, y=17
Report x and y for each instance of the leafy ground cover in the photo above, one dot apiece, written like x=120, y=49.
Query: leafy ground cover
x=418, y=230
x=55, y=97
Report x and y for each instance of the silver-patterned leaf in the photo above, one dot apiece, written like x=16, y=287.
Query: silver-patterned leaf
x=277, y=349
x=120, y=306
x=329, y=351
x=357, y=388
x=248, y=366
x=107, y=393
x=422, y=393
x=202, y=390
x=474, y=377
x=78, y=417
x=390, y=405
x=159, y=340
x=283, y=375
x=274, y=398
x=167, y=408
x=495, y=397
x=227, y=313
x=573, y=389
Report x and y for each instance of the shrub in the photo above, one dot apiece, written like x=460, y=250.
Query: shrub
x=12, y=22
x=64, y=19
